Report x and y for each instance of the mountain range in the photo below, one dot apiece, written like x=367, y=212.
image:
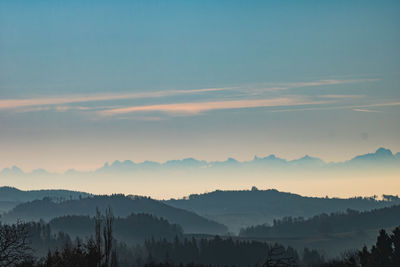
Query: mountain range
x=381, y=157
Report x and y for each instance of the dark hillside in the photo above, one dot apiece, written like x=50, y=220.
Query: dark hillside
x=239, y=209
x=326, y=224
x=135, y=228
x=121, y=205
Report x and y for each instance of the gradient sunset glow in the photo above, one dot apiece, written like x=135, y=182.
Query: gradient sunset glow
x=82, y=84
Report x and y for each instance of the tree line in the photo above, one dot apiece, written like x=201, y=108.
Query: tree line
x=338, y=222
x=19, y=243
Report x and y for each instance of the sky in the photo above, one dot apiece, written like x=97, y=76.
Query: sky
x=86, y=82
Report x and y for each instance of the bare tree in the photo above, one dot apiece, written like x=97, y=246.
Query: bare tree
x=107, y=234
x=14, y=246
x=103, y=254
x=114, y=259
x=98, y=221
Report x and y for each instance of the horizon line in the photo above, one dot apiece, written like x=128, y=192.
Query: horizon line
x=249, y=189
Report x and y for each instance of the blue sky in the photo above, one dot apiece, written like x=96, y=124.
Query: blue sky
x=84, y=82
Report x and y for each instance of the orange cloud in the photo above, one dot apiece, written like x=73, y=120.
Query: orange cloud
x=32, y=102
x=198, y=107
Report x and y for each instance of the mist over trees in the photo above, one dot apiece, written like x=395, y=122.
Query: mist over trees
x=133, y=229
x=103, y=249
x=136, y=233
x=11, y=196
x=121, y=205
x=338, y=222
x=242, y=208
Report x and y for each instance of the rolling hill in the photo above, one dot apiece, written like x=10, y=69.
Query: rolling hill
x=11, y=196
x=121, y=205
x=238, y=209
x=133, y=229
x=333, y=233
x=327, y=224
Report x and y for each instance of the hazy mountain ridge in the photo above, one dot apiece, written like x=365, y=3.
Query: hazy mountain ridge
x=381, y=156
x=13, y=170
x=121, y=205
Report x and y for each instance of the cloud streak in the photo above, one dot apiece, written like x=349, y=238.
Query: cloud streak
x=241, y=97
x=194, y=108
x=360, y=108
x=294, y=85
x=387, y=104
x=366, y=110
x=32, y=102
x=328, y=82
x=342, y=96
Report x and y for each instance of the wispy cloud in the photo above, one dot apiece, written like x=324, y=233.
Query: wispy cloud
x=366, y=110
x=328, y=82
x=193, y=108
x=385, y=104
x=58, y=108
x=239, y=97
x=293, y=85
x=360, y=108
x=46, y=101
x=308, y=109
x=342, y=96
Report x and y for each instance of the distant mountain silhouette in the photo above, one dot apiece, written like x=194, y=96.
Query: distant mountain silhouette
x=40, y=171
x=188, y=162
x=270, y=158
x=238, y=209
x=307, y=160
x=382, y=156
x=14, y=170
x=121, y=205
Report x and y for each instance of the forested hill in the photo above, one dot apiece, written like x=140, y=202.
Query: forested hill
x=135, y=228
x=121, y=205
x=323, y=224
x=12, y=194
x=238, y=209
